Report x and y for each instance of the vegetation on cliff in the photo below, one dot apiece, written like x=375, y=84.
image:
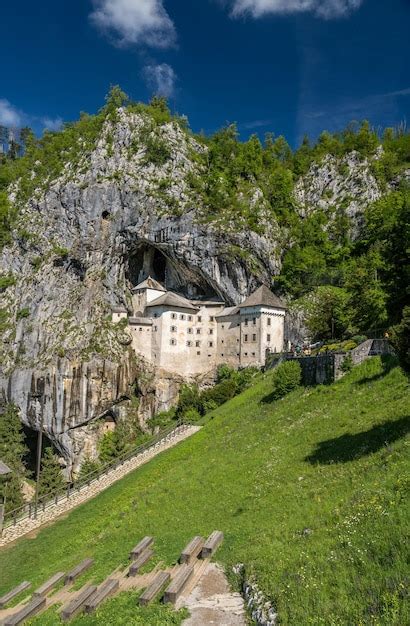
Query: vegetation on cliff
x=310, y=491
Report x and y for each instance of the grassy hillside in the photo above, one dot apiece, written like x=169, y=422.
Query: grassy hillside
x=310, y=492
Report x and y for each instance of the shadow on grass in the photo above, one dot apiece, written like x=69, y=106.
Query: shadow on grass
x=351, y=447
x=388, y=361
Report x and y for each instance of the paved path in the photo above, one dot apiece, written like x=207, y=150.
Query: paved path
x=212, y=601
x=11, y=533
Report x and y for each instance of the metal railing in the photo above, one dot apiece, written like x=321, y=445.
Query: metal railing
x=30, y=510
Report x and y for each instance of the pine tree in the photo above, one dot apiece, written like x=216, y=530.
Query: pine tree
x=51, y=478
x=12, y=451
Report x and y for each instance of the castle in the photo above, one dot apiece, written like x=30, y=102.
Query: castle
x=191, y=337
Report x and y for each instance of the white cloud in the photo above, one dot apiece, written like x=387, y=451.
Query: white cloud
x=135, y=22
x=161, y=78
x=9, y=115
x=327, y=9
x=52, y=124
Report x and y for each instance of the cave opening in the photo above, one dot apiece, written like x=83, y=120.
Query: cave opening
x=30, y=441
x=148, y=260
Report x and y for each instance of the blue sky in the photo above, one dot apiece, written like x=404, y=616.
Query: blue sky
x=286, y=66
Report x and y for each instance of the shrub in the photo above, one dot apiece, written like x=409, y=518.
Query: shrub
x=7, y=280
x=400, y=339
x=23, y=313
x=192, y=415
x=349, y=345
x=222, y=392
x=286, y=377
x=347, y=363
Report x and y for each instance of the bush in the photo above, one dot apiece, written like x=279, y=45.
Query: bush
x=400, y=339
x=347, y=363
x=286, y=377
x=23, y=313
x=192, y=415
x=349, y=345
x=219, y=394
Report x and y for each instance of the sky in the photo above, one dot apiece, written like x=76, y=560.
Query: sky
x=290, y=67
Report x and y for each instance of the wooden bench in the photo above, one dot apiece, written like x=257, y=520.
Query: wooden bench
x=109, y=587
x=178, y=584
x=49, y=585
x=192, y=550
x=139, y=562
x=151, y=592
x=141, y=547
x=27, y=611
x=77, y=604
x=13, y=593
x=212, y=543
x=79, y=569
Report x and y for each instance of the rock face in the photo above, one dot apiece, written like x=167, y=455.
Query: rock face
x=81, y=244
x=92, y=235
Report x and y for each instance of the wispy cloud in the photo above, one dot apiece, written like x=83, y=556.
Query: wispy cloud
x=256, y=124
x=52, y=124
x=12, y=117
x=9, y=114
x=326, y=9
x=160, y=78
x=134, y=22
x=375, y=107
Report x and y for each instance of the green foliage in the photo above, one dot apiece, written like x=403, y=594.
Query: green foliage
x=88, y=467
x=109, y=448
x=327, y=311
x=12, y=452
x=51, y=477
x=23, y=313
x=347, y=363
x=286, y=377
x=157, y=151
x=400, y=338
x=310, y=492
x=7, y=280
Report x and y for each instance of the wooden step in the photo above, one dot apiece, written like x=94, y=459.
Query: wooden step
x=30, y=609
x=177, y=585
x=192, y=550
x=49, y=585
x=109, y=587
x=79, y=569
x=140, y=561
x=212, y=544
x=141, y=547
x=76, y=605
x=13, y=593
x=151, y=592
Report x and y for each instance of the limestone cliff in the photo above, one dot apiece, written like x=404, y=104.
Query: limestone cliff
x=85, y=238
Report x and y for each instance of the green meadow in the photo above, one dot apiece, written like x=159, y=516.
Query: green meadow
x=311, y=492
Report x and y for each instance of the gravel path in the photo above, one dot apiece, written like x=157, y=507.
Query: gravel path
x=11, y=533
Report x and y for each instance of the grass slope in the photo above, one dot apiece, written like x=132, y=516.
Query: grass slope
x=310, y=492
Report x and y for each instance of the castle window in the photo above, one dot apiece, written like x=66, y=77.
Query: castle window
x=246, y=354
x=246, y=338
x=253, y=337
x=223, y=326
x=211, y=331
x=246, y=321
x=267, y=337
x=269, y=321
x=211, y=344
x=173, y=329
x=155, y=314
x=211, y=319
x=190, y=331
x=222, y=353
x=197, y=344
x=155, y=328
x=174, y=316
x=189, y=344
x=173, y=342
x=222, y=340
x=182, y=316
x=198, y=331
x=254, y=321
x=199, y=318
x=189, y=318
x=253, y=354
x=198, y=353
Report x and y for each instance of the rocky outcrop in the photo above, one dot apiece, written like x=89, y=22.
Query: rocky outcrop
x=79, y=247
x=117, y=212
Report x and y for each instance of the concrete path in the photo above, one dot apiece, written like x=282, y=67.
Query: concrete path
x=25, y=526
x=212, y=601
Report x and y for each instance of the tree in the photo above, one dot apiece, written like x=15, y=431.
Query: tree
x=400, y=338
x=51, y=478
x=115, y=98
x=12, y=451
x=327, y=312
